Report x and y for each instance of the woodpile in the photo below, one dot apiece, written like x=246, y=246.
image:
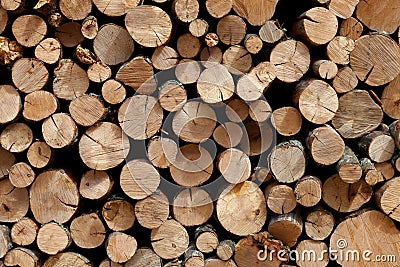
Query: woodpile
x=199, y=133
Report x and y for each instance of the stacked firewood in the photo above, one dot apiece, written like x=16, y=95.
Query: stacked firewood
x=198, y=132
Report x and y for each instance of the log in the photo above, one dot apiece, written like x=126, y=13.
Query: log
x=39, y=154
x=24, y=232
x=386, y=169
x=139, y=179
x=237, y=110
x=86, y=110
x=10, y=51
x=69, y=34
x=75, y=10
x=348, y=167
x=345, y=197
x=211, y=39
x=371, y=175
x=342, y=8
x=188, y=46
x=231, y=29
x=237, y=59
x=95, y=185
x=198, y=27
x=90, y=27
x=185, y=11
x=231, y=214
x=102, y=146
x=7, y=159
x=324, y=69
x=253, y=43
x=210, y=55
x=375, y=59
x=395, y=132
x=308, y=191
x=287, y=121
x=99, y=72
x=53, y=238
x=62, y=259
x=187, y=71
x=16, y=137
x=152, y=211
x=391, y=97
x=3, y=19
x=192, y=206
x=345, y=80
x=120, y=247
x=49, y=51
x=288, y=161
x=115, y=8
x=39, y=105
x=396, y=162
x=29, y=30
x=286, y=227
x=164, y=57
x=378, y=146
x=387, y=200
x=88, y=231
x=319, y=224
x=316, y=26
x=218, y=9
x=21, y=175
x=193, y=257
x=59, y=130
x=317, y=258
x=109, y=263
x=61, y=201
x=270, y=32
x=162, y=151
x=135, y=73
x=5, y=240
x=291, y=59
x=10, y=104
x=260, y=110
x=234, y=165
x=11, y=5
x=113, y=92
x=118, y=214
x=255, y=12
x=316, y=105
x=170, y=240
x=228, y=135
x=206, y=239
x=116, y=52
x=150, y=26
x=357, y=115
x=280, y=198
x=225, y=249
x=22, y=257
x=351, y=28
x=339, y=49
x=144, y=257
x=172, y=95
x=29, y=75
x=85, y=56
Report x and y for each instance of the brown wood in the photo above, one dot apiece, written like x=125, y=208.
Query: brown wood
x=210, y=55
x=339, y=49
x=287, y=121
x=99, y=72
x=308, y=191
x=386, y=169
x=324, y=69
x=319, y=224
x=152, y=211
x=342, y=8
x=391, y=97
x=253, y=43
x=193, y=257
x=61, y=259
x=280, y=198
x=3, y=19
x=185, y=11
x=118, y=214
x=53, y=238
x=164, y=57
x=214, y=85
x=318, y=247
x=120, y=247
x=348, y=167
x=378, y=146
x=286, y=227
x=7, y=159
x=358, y=107
x=115, y=8
x=69, y=34
x=237, y=59
x=211, y=39
x=85, y=56
x=116, y=52
x=29, y=75
x=59, y=130
x=49, y=51
x=246, y=204
x=351, y=28
x=10, y=104
x=24, y=231
x=162, y=151
x=22, y=257
x=109, y=263
x=234, y=165
x=90, y=27
x=218, y=9
x=16, y=137
x=143, y=257
x=39, y=105
x=345, y=80
x=21, y=175
x=395, y=132
x=237, y=110
x=5, y=240
x=113, y=92
x=228, y=135
x=371, y=175
x=29, y=30
x=345, y=197
x=198, y=27
x=135, y=73
x=86, y=110
x=75, y=10
x=231, y=30
x=172, y=95
x=206, y=238
x=39, y=154
x=95, y=185
x=187, y=71
x=225, y=249
x=10, y=51
x=11, y=5
x=270, y=32
x=88, y=231
x=387, y=199
x=188, y=46
x=255, y=12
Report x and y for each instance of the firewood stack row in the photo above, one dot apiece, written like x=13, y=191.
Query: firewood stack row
x=198, y=132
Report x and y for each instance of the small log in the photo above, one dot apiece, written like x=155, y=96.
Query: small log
x=85, y=55
x=135, y=72
x=188, y=46
x=193, y=257
x=326, y=146
x=395, y=132
x=234, y=165
x=237, y=59
x=288, y=161
x=365, y=230
x=59, y=130
x=198, y=27
x=10, y=104
x=280, y=198
x=70, y=81
x=261, y=175
x=345, y=80
x=185, y=11
x=286, y=227
x=62, y=259
x=308, y=191
x=39, y=105
x=386, y=169
x=162, y=152
x=75, y=10
x=109, y=263
x=16, y=137
x=86, y=110
x=210, y=55
x=291, y=59
x=69, y=34
x=253, y=43
x=231, y=29
x=99, y=72
x=116, y=52
x=149, y=26
x=3, y=19
x=88, y=231
x=387, y=200
x=172, y=96
x=21, y=175
x=348, y=167
x=324, y=69
x=139, y=179
x=345, y=197
x=342, y=8
x=319, y=224
x=372, y=65
x=240, y=221
x=317, y=258
x=260, y=110
x=170, y=240
x=7, y=159
x=358, y=114
x=113, y=92
x=378, y=146
x=206, y=238
x=118, y=214
x=339, y=49
x=218, y=9
x=106, y=139
x=152, y=211
x=53, y=238
x=225, y=249
x=22, y=257
x=29, y=75
x=95, y=185
x=255, y=12
x=120, y=247
x=61, y=201
x=371, y=175
x=287, y=121
x=391, y=97
x=380, y=16
x=29, y=30
x=144, y=257
x=195, y=122
x=270, y=32
x=90, y=27
x=237, y=110
x=228, y=135
x=24, y=232
x=187, y=71
x=115, y=8
x=5, y=240
x=396, y=162
x=351, y=28
x=12, y=5
x=49, y=51
x=164, y=57
x=192, y=206
x=316, y=26
x=39, y=155
x=10, y=51
x=316, y=105
x=211, y=39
